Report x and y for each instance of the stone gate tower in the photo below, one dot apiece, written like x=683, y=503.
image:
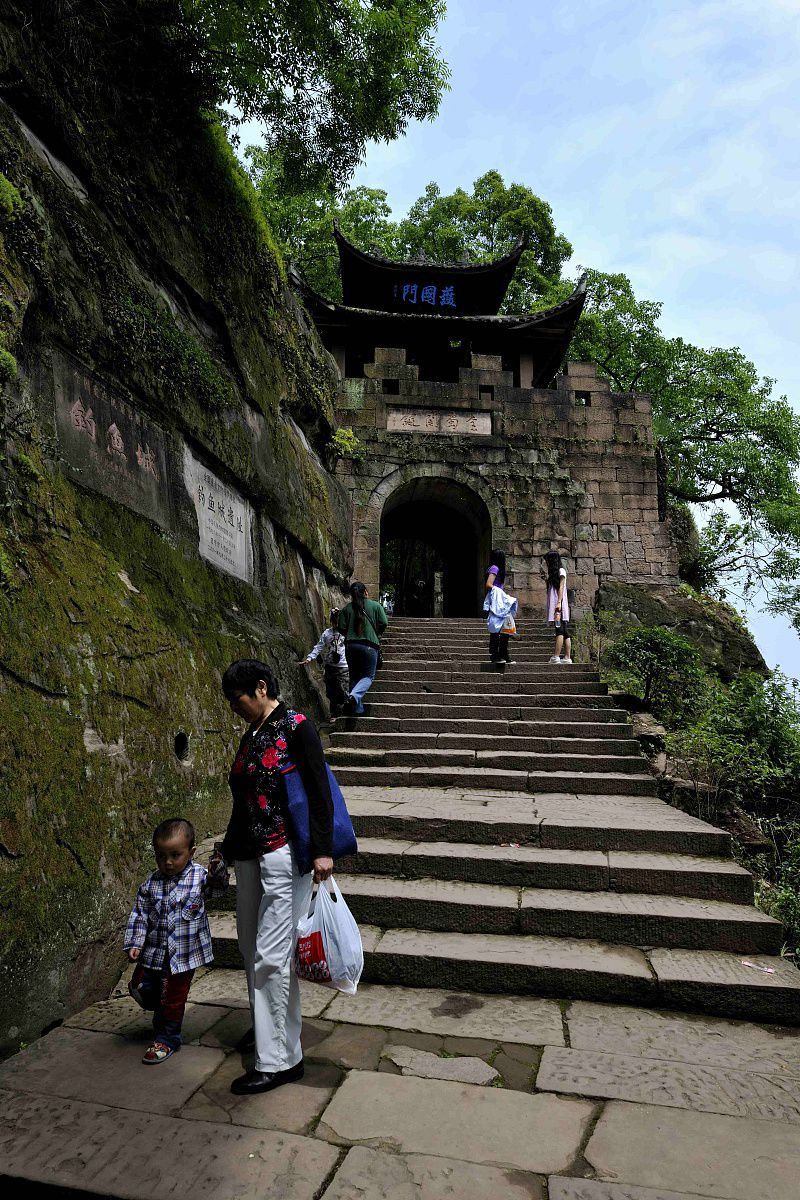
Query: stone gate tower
x=477, y=436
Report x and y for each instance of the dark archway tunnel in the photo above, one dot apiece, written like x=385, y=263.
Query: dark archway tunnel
x=435, y=540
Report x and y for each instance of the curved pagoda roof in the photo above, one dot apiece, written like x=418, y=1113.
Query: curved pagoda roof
x=370, y=281
x=544, y=335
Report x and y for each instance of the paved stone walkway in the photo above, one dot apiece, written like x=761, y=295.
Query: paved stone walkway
x=412, y=1094
x=477, y=1083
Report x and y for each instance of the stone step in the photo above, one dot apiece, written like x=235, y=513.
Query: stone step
x=630, y=919
x=362, y=739
x=499, y=708
x=474, y=642
x=552, y=821
x=590, y=782
x=491, y=699
x=613, y=725
x=571, y=968
x=521, y=672
x=542, y=867
x=626, y=919
x=467, y=656
x=498, y=685
x=512, y=865
x=498, y=759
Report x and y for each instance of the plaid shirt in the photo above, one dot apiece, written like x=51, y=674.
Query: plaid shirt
x=169, y=922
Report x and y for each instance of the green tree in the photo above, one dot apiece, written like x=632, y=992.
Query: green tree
x=324, y=76
x=724, y=435
x=302, y=221
x=485, y=224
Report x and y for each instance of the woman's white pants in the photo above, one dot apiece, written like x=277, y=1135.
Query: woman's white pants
x=271, y=898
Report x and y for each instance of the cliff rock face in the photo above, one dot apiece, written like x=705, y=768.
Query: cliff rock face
x=723, y=641
x=166, y=503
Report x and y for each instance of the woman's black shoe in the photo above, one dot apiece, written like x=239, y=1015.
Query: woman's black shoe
x=253, y=1082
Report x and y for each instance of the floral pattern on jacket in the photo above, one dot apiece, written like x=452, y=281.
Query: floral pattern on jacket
x=257, y=823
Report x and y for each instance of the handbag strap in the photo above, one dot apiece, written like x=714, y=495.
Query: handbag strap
x=372, y=623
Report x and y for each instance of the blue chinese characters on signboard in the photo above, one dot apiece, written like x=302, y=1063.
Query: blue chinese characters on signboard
x=429, y=293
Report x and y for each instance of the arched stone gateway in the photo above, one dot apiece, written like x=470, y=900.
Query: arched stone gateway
x=475, y=433
x=435, y=537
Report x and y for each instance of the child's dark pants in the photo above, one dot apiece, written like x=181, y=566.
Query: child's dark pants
x=337, y=683
x=498, y=647
x=165, y=996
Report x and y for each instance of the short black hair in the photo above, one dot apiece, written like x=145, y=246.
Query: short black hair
x=242, y=676
x=171, y=826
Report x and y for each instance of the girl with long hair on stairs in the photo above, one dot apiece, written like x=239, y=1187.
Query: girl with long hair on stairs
x=558, y=606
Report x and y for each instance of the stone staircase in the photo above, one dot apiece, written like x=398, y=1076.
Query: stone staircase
x=511, y=840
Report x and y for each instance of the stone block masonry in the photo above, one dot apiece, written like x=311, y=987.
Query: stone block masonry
x=570, y=468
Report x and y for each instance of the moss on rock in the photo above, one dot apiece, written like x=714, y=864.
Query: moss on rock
x=134, y=244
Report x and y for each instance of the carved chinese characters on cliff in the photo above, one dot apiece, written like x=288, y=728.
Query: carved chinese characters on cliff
x=224, y=519
x=107, y=446
x=439, y=421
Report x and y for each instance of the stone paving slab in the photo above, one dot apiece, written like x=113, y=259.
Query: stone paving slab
x=78, y=1064
x=425, y=1065
x=130, y=1155
x=676, y=1084
x=522, y=1019
x=483, y=1125
x=229, y=988
x=124, y=1017
x=352, y=1047
x=728, y=1158
x=685, y=1037
x=713, y=981
x=293, y=1108
x=594, y=1189
x=375, y=1175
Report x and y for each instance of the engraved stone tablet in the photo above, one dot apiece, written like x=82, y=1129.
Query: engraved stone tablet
x=438, y=420
x=224, y=519
x=107, y=446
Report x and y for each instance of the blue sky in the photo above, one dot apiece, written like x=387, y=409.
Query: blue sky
x=665, y=137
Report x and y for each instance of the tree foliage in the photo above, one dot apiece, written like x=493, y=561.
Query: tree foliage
x=466, y=226
x=664, y=666
x=724, y=435
x=324, y=76
x=302, y=221
x=486, y=224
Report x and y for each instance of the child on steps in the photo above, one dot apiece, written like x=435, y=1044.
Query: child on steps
x=168, y=935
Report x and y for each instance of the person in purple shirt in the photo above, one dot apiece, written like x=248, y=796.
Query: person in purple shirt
x=496, y=577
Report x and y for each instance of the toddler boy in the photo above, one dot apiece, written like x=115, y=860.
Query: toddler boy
x=168, y=935
x=330, y=648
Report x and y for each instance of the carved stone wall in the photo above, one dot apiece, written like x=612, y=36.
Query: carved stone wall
x=572, y=468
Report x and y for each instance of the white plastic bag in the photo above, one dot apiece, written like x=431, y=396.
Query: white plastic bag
x=328, y=949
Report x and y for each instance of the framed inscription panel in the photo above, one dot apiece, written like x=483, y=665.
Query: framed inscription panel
x=439, y=421
x=106, y=445
x=224, y=519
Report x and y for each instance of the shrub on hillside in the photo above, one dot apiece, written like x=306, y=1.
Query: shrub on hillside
x=661, y=666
